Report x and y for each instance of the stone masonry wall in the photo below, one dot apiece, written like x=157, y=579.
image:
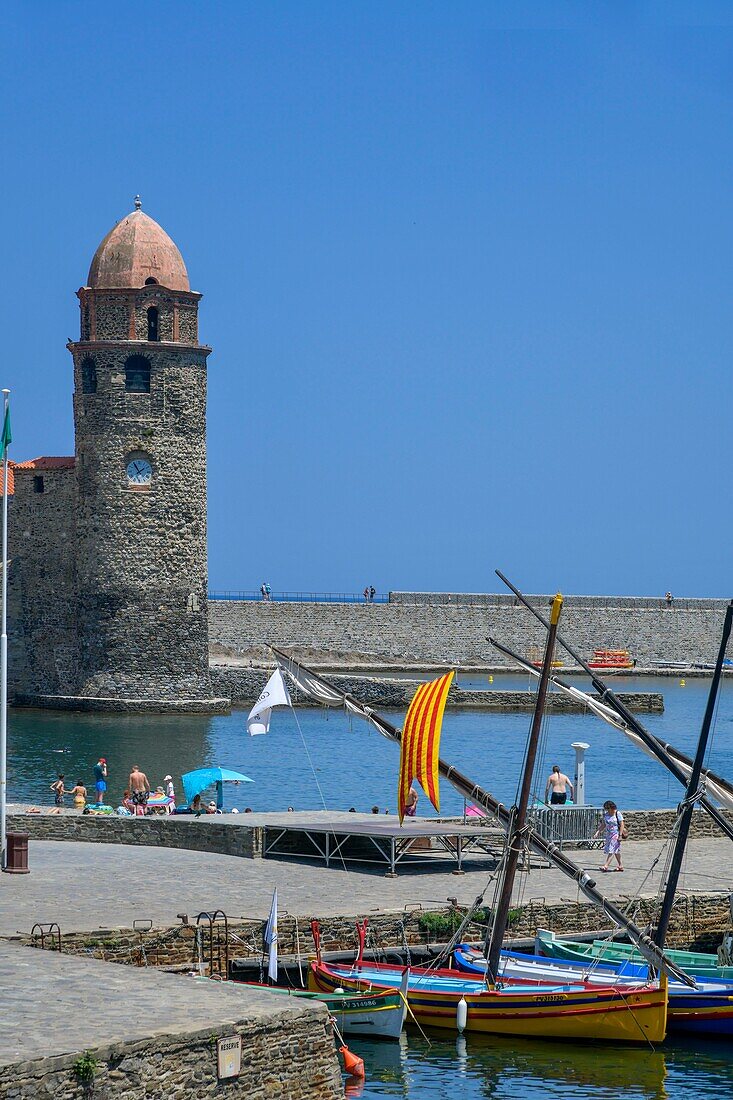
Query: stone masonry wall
x=42, y=629
x=153, y=1035
x=451, y=628
x=209, y=834
x=292, y=1061
x=698, y=919
x=243, y=685
x=222, y=835
x=142, y=552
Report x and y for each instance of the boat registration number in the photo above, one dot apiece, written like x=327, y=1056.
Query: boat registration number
x=368, y=1002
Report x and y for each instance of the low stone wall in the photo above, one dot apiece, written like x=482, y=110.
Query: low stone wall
x=243, y=685
x=207, y=833
x=184, y=1066
x=658, y=824
x=697, y=919
x=230, y=835
x=153, y=1035
x=94, y=704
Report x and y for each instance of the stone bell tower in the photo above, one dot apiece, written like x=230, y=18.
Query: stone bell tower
x=140, y=423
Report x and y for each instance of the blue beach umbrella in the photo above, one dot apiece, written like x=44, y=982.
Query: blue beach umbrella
x=196, y=782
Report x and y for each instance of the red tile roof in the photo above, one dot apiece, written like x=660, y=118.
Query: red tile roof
x=11, y=480
x=47, y=462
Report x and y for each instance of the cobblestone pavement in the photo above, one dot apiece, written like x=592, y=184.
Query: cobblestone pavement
x=80, y=1003
x=90, y=886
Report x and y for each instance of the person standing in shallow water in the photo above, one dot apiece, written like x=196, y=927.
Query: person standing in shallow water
x=58, y=791
x=612, y=825
x=100, y=778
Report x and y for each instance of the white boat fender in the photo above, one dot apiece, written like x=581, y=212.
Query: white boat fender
x=461, y=1014
x=339, y=989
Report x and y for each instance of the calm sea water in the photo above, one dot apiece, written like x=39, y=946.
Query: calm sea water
x=313, y=758
x=512, y=1069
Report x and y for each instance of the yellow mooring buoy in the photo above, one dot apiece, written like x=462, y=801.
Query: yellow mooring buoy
x=683, y=683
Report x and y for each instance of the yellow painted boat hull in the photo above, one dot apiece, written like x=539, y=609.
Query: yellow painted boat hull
x=609, y=1014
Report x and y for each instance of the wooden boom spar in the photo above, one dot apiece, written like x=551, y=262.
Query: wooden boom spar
x=720, y=788
x=322, y=691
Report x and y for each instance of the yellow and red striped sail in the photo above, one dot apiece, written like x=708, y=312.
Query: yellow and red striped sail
x=420, y=747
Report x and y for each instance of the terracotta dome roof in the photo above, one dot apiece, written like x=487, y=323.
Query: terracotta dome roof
x=135, y=251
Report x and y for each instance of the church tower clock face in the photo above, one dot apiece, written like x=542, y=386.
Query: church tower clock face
x=139, y=472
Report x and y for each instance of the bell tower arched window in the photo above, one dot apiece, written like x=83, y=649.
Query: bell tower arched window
x=88, y=376
x=153, y=323
x=137, y=374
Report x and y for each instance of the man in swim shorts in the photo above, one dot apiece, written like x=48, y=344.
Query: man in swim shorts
x=100, y=779
x=556, y=787
x=139, y=788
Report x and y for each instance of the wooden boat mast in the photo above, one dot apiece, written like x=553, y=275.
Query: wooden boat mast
x=608, y=714
x=320, y=690
x=519, y=812
x=654, y=745
x=684, y=811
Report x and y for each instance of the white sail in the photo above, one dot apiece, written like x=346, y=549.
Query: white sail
x=274, y=694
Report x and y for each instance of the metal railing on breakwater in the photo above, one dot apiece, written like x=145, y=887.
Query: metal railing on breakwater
x=476, y=599
x=298, y=597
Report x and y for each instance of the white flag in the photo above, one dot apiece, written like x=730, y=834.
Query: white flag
x=271, y=938
x=275, y=694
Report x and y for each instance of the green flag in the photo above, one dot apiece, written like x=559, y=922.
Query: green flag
x=7, y=437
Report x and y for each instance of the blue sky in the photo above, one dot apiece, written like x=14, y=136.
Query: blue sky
x=467, y=273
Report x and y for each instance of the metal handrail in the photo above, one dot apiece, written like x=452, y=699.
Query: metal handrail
x=298, y=597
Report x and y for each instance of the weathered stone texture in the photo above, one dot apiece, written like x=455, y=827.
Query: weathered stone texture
x=110, y=595
x=243, y=685
x=227, y=836
x=205, y=834
x=696, y=918
x=142, y=563
x=153, y=1035
x=112, y=317
x=452, y=628
x=188, y=325
x=42, y=583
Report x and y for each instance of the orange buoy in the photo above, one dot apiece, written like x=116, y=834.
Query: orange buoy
x=352, y=1063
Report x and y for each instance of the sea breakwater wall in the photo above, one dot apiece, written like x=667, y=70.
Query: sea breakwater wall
x=243, y=685
x=452, y=628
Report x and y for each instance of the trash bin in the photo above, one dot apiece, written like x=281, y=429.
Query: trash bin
x=17, y=854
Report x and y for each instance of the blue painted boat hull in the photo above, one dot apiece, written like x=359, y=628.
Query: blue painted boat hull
x=704, y=1011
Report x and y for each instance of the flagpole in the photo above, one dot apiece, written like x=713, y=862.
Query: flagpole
x=4, y=649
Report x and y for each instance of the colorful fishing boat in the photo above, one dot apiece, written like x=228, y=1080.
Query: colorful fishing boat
x=377, y=1014
x=696, y=963
x=707, y=1010
x=575, y=1011
x=445, y=999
